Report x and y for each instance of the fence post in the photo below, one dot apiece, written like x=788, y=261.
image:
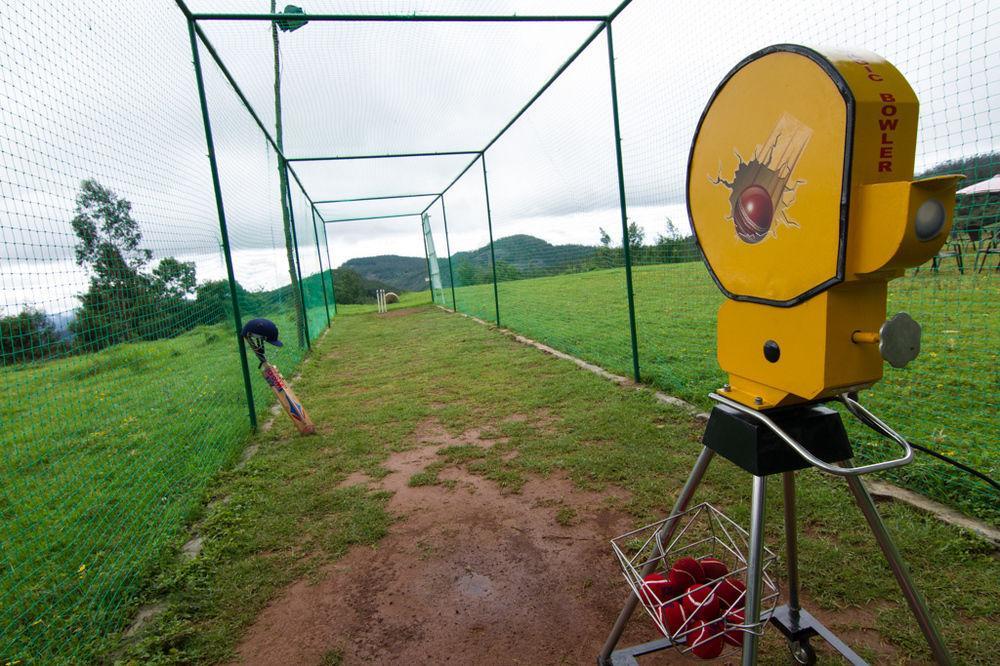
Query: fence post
x=622, y=205
x=489, y=223
x=223, y=229
x=319, y=256
x=298, y=261
x=447, y=245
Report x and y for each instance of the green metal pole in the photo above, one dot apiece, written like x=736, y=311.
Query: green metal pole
x=378, y=156
x=447, y=244
x=622, y=205
x=223, y=229
x=489, y=223
x=391, y=196
x=319, y=256
x=298, y=261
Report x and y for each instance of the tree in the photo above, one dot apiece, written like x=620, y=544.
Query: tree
x=27, y=336
x=109, y=247
x=175, y=279
x=123, y=302
x=109, y=236
x=636, y=235
x=605, y=237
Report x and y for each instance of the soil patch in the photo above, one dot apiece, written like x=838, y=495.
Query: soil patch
x=471, y=574
x=467, y=575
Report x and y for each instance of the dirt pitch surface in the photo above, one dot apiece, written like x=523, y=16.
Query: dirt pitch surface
x=466, y=575
x=505, y=473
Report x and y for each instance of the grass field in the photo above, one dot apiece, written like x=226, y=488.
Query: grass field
x=106, y=457
x=946, y=400
x=287, y=514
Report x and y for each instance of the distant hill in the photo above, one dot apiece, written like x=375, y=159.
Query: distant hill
x=529, y=255
x=525, y=254
x=401, y=273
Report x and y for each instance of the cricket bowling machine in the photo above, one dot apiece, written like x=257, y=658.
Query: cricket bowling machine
x=801, y=196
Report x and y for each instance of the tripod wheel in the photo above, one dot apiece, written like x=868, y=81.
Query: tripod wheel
x=802, y=652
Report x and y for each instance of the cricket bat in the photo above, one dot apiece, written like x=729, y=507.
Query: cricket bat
x=289, y=402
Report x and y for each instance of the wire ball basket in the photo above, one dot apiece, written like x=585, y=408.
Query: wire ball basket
x=702, y=618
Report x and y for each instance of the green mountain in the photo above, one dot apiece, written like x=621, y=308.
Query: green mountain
x=527, y=254
x=400, y=273
x=521, y=255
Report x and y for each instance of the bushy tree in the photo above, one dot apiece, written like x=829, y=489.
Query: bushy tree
x=123, y=302
x=27, y=336
x=175, y=279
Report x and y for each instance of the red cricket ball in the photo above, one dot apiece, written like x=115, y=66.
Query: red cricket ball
x=706, y=640
x=655, y=589
x=752, y=214
x=734, y=634
x=701, y=603
x=731, y=593
x=674, y=618
x=713, y=567
x=691, y=568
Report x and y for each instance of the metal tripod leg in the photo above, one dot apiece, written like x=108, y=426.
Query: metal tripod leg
x=913, y=597
x=754, y=569
x=666, y=532
x=791, y=546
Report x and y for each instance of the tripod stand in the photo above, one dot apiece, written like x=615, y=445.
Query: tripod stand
x=761, y=444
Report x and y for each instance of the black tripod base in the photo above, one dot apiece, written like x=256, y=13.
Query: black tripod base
x=754, y=447
x=799, y=626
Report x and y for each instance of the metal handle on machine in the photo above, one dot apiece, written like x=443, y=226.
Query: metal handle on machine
x=859, y=412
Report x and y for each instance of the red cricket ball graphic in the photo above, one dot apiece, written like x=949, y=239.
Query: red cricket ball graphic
x=759, y=193
x=752, y=214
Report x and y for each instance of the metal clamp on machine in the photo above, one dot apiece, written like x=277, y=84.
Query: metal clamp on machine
x=801, y=196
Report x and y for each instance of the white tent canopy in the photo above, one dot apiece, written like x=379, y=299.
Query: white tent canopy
x=983, y=186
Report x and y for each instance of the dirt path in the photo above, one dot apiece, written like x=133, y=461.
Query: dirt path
x=470, y=575
x=466, y=575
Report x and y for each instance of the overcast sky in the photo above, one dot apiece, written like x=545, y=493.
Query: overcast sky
x=88, y=90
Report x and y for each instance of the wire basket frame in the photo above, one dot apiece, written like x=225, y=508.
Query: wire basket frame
x=700, y=532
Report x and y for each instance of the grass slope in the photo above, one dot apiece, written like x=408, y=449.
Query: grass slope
x=945, y=400
x=106, y=457
x=371, y=383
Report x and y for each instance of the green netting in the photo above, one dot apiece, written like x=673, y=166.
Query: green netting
x=469, y=237
x=125, y=386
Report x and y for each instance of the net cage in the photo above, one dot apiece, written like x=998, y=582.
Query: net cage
x=503, y=132
x=702, y=617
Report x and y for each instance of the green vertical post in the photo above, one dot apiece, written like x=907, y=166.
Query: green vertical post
x=427, y=257
x=223, y=229
x=298, y=261
x=319, y=256
x=447, y=245
x=622, y=204
x=329, y=263
x=489, y=223
x=279, y=144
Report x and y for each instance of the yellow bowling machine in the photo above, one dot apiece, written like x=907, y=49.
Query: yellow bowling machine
x=801, y=196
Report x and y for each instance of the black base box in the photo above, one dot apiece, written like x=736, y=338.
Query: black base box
x=754, y=447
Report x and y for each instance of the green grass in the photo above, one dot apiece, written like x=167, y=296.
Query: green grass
x=407, y=299
x=106, y=457
x=284, y=515
x=945, y=400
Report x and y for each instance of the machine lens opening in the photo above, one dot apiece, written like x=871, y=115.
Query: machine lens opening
x=930, y=219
